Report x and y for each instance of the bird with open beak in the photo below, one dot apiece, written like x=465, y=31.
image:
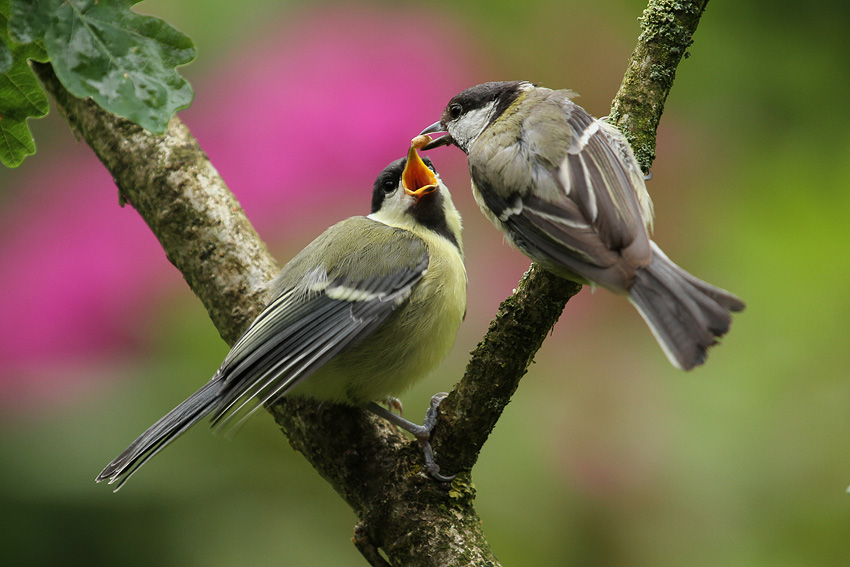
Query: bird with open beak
x=366, y=310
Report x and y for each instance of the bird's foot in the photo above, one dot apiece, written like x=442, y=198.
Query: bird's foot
x=421, y=432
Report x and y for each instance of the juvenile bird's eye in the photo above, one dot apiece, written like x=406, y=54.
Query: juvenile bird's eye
x=389, y=186
x=455, y=110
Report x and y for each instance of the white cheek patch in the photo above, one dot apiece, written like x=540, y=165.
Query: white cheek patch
x=393, y=211
x=469, y=127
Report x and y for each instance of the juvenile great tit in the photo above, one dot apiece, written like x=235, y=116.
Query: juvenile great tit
x=362, y=313
x=568, y=192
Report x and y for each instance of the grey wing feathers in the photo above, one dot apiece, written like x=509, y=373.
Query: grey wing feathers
x=595, y=176
x=304, y=328
x=581, y=213
x=602, y=177
x=559, y=243
x=314, y=315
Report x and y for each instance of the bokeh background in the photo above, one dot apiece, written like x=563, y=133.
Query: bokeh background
x=607, y=455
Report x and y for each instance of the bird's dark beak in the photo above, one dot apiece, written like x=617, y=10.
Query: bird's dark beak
x=416, y=178
x=441, y=141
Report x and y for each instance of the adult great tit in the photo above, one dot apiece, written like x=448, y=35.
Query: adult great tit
x=568, y=192
x=364, y=311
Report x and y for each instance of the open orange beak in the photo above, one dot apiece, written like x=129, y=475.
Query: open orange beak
x=416, y=178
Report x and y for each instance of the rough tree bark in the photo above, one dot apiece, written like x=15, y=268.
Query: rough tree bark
x=411, y=518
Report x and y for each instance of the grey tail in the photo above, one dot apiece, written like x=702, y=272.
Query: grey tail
x=686, y=314
x=167, y=429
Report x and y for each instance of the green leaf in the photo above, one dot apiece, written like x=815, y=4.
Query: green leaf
x=124, y=61
x=16, y=142
x=21, y=96
x=5, y=58
x=29, y=19
x=5, y=53
x=100, y=49
x=23, y=45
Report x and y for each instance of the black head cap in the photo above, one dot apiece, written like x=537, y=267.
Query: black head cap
x=503, y=92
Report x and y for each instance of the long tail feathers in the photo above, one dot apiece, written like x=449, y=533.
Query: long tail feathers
x=686, y=314
x=167, y=429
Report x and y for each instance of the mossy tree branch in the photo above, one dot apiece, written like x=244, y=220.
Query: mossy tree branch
x=412, y=518
x=667, y=30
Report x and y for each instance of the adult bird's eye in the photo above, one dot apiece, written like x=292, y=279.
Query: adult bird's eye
x=455, y=110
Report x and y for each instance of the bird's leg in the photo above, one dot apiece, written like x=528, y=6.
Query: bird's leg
x=421, y=432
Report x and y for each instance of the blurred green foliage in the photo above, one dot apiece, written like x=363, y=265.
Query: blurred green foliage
x=606, y=456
